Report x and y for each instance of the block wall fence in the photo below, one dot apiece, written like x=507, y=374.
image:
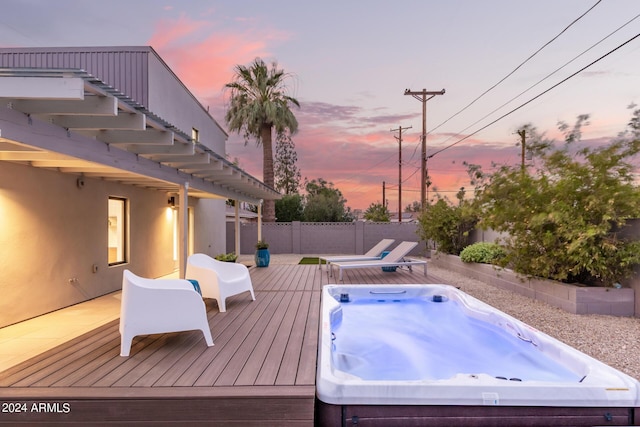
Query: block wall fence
x=323, y=237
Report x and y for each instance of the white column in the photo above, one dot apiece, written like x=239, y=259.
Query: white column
x=237, y=225
x=260, y=220
x=183, y=228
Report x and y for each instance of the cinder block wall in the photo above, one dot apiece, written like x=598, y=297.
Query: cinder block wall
x=323, y=237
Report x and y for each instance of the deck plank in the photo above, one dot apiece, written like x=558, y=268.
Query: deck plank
x=206, y=373
x=34, y=365
x=291, y=356
x=219, y=322
x=274, y=360
x=91, y=361
x=307, y=366
x=256, y=341
x=67, y=356
x=266, y=356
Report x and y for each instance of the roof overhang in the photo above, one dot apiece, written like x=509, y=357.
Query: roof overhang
x=69, y=121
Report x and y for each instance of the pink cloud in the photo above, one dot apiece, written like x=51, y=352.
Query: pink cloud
x=358, y=163
x=203, y=58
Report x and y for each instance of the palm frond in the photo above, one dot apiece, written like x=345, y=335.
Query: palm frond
x=259, y=97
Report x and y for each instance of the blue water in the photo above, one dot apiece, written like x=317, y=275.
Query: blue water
x=417, y=339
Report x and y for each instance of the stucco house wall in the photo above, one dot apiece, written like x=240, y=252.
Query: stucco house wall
x=171, y=100
x=52, y=233
x=210, y=226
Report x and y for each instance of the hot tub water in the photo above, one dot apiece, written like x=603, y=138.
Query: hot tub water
x=417, y=338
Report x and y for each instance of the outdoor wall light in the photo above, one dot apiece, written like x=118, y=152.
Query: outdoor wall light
x=171, y=201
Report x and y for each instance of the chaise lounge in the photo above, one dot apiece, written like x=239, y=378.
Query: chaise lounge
x=395, y=258
x=371, y=255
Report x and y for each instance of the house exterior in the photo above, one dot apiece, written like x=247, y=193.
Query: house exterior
x=107, y=162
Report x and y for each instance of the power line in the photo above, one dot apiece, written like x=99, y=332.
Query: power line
x=518, y=67
x=547, y=76
x=369, y=168
x=537, y=96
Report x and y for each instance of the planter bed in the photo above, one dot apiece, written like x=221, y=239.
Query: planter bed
x=571, y=298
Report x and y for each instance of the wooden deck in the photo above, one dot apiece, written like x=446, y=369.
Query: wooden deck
x=261, y=370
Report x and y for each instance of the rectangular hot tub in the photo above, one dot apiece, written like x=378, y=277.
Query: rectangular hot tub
x=437, y=348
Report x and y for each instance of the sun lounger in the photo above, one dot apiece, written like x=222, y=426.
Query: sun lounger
x=395, y=258
x=372, y=254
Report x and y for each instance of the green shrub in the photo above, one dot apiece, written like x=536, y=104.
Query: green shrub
x=563, y=215
x=448, y=225
x=230, y=257
x=483, y=252
x=262, y=245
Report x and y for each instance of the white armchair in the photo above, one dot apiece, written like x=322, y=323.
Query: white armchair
x=153, y=306
x=219, y=280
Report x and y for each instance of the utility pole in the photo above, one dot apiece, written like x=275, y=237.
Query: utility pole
x=399, y=138
x=422, y=97
x=384, y=201
x=522, y=134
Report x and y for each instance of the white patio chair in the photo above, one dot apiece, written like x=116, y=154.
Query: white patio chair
x=395, y=258
x=154, y=306
x=219, y=280
x=372, y=254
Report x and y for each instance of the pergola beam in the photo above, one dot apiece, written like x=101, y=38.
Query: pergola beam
x=42, y=88
x=91, y=105
x=147, y=136
x=123, y=121
x=182, y=162
x=148, y=149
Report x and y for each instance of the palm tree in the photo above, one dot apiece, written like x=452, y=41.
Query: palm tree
x=258, y=104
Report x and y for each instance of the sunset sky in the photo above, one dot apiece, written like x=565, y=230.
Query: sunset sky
x=351, y=61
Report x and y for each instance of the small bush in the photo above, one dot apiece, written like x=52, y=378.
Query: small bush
x=230, y=257
x=262, y=245
x=483, y=252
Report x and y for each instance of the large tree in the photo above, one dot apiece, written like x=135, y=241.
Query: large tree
x=287, y=174
x=325, y=203
x=289, y=208
x=258, y=105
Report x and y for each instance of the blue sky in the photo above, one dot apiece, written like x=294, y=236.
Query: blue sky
x=351, y=62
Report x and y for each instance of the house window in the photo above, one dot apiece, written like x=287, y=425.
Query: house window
x=195, y=135
x=117, y=237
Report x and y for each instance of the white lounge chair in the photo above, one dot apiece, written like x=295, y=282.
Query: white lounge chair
x=219, y=280
x=395, y=258
x=372, y=254
x=154, y=306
